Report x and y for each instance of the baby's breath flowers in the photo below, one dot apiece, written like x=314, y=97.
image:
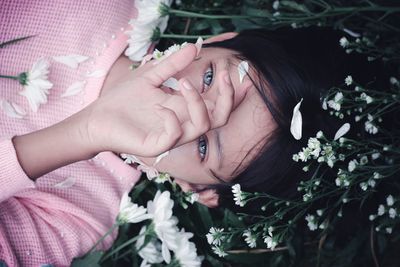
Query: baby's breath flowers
x=238, y=196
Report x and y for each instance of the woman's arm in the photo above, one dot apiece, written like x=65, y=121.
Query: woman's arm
x=53, y=147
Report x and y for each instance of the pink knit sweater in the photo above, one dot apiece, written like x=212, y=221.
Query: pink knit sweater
x=47, y=222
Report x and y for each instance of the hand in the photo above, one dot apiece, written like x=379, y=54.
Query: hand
x=139, y=118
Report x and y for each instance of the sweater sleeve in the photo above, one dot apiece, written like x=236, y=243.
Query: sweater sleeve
x=13, y=178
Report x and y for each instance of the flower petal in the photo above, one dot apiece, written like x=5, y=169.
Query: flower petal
x=165, y=253
x=199, y=44
x=297, y=122
x=342, y=131
x=70, y=181
x=243, y=68
x=171, y=83
x=11, y=109
x=160, y=157
x=97, y=74
x=74, y=88
x=71, y=61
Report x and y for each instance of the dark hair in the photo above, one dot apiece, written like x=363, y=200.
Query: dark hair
x=292, y=64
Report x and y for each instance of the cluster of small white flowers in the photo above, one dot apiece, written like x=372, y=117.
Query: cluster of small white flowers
x=313, y=149
x=342, y=179
x=161, y=55
x=344, y=42
x=250, y=238
x=215, y=236
x=311, y=222
x=238, y=196
x=394, y=81
x=389, y=209
x=370, y=127
x=366, y=98
x=336, y=102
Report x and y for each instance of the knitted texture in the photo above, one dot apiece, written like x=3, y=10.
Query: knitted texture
x=49, y=222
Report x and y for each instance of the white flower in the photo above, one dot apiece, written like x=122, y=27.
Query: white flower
x=150, y=11
x=130, y=212
x=352, y=165
x=271, y=243
x=389, y=230
x=250, y=239
x=164, y=223
x=392, y=213
x=152, y=251
x=192, y=197
x=36, y=86
x=297, y=122
x=162, y=178
x=342, y=131
x=344, y=42
x=151, y=22
x=394, y=81
x=140, y=39
x=370, y=128
x=219, y=251
x=381, y=210
x=348, y=80
x=338, y=97
x=334, y=105
x=372, y=217
x=150, y=171
x=320, y=134
x=315, y=146
x=186, y=253
x=275, y=4
x=390, y=200
x=243, y=69
x=238, y=195
x=311, y=223
x=215, y=236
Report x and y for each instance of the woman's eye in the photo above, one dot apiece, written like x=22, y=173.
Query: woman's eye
x=208, y=78
x=202, y=147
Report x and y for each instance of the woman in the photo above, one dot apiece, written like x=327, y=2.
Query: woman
x=219, y=128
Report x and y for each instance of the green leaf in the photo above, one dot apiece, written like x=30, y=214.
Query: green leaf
x=90, y=259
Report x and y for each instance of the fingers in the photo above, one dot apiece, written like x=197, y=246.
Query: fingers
x=221, y=37
x=171, y=65
x=158, y=142
x=199, y=121
x=224, y=102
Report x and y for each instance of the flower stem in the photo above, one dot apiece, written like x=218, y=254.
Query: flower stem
x=181, y=36
x=182, y=13
x=9, y=77
x=112, y=228
x=127, y=243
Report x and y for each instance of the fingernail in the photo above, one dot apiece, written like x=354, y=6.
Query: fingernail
x=187, y=85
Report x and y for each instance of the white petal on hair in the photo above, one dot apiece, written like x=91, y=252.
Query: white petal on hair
x=297, y=122
x=70, y=181
x=74, y=88
x=160, y=157
x=71, y=61
x=171, y=83
x=97, y=73
x=199, y=44
x=11, y=109
x=243, y=68
x=342, y=131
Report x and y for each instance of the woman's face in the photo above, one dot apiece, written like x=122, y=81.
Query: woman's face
x=220, y=150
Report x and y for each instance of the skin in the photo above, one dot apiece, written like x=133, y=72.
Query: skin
x=248, y=124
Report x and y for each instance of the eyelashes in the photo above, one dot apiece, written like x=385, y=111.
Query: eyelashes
x=202, y=145
x=208, y=77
